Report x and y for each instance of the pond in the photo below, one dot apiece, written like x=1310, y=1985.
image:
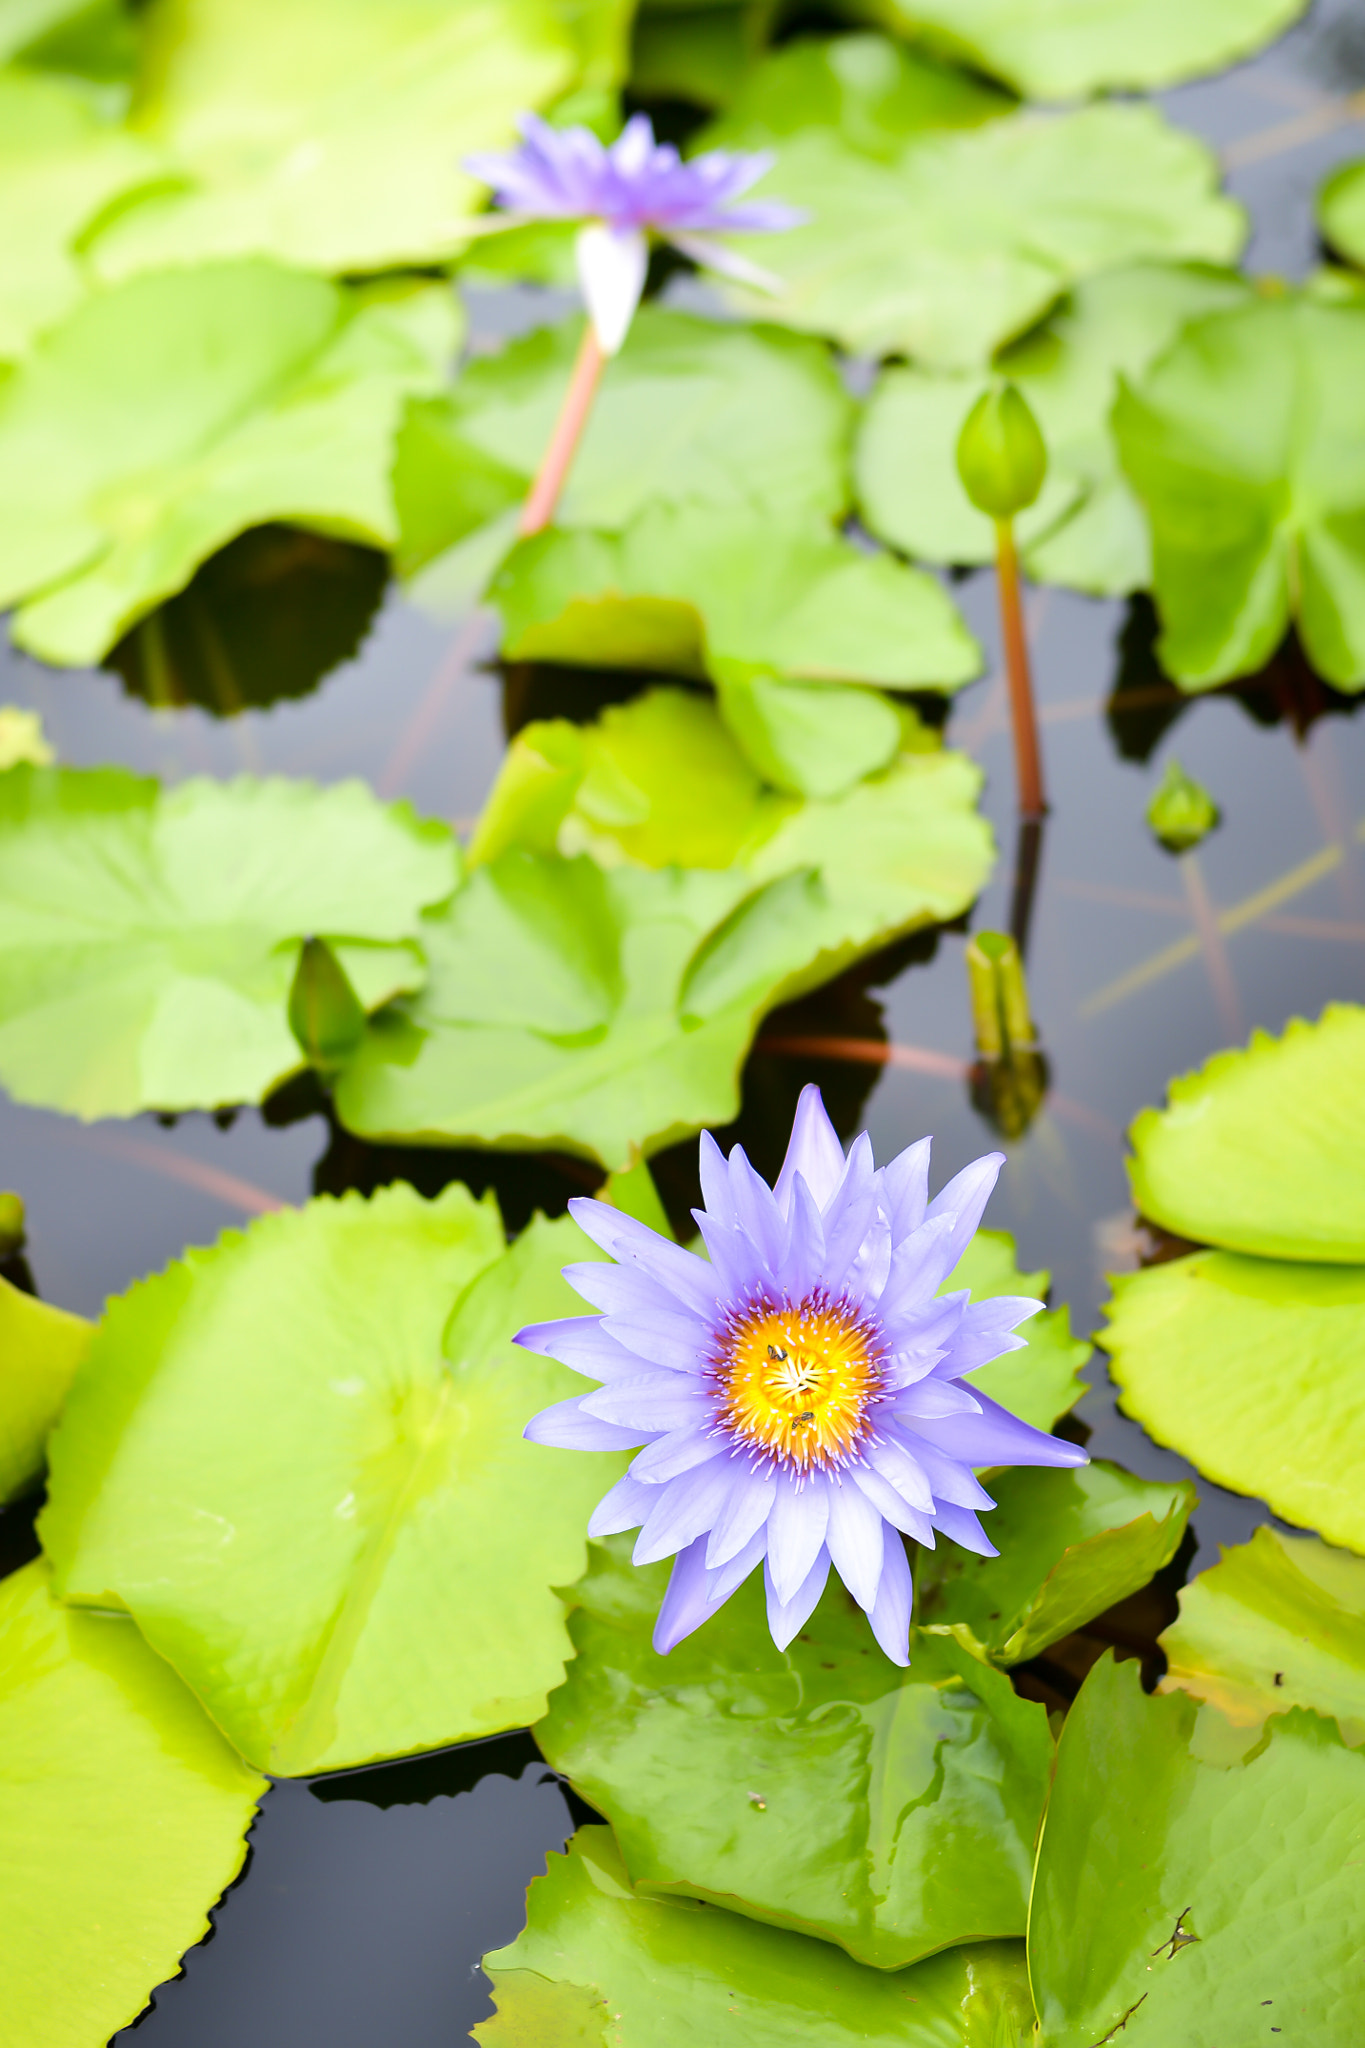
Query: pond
x=370, y=1896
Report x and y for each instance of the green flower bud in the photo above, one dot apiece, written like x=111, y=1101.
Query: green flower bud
x=11, y=1224
x=1182, y=812
x=325, y=1013
x=1001, y=454
x=999, y=993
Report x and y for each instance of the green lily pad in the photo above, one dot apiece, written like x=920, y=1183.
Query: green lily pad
x=1244, y=444
x=60, y=164
x=869, y=91
x=691, y=411
x=1253, y=1370
x=332, y=136
x=602, y=1009
x=968, y=238
x=1178, y=1903
x=148, y=939
x=729, y=593
x=1059, y=50
x=818, y=1788
x=1260, y=1149
x=133, y=443
x=1279, y=1623
x=696, y=55
x=1086, y=528
x=335, y=1388
x=40, y=1348
x=123, y=1813
x=597, y=1963
x=1071, y=1544
x=1041, y=1383
x=1341, y=212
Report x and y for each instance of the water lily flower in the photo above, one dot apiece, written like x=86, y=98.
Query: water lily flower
x=624, y=194
x=798, y=1399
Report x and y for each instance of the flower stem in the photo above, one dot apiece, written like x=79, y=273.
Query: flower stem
x=557, y=460
x=1032, y=802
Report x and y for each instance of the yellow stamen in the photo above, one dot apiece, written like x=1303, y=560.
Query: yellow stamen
x=796, y=1381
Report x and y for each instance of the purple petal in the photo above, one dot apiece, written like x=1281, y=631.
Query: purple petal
x=623, y=1290
x=803, y=1267
x=928, y=1400
x=960, y=1525
x=683, y=1508
x=686, y=1604
x=688, y=1278
x=758, y=1213
x=680, y=1451
x=987, y=1331
x=890, y=1505
x=653, y=1403
x=920, y=1264
x=715, y=1183
x=581, y=1343
x=796, y=1530
x=570, y=1427
x=965, y=1198
x=890, y=1612
x=890, y=1457
x=669, y=1338
x=905, y=1188
x=920, y=1342
x=624, y=1507
x=813, y=1151
x=787, y=1617
x=726, y=1578
x=995, y=1437
x=743, y=1515
x=731, y=1254
x=950, y=1479
x=854, y=1539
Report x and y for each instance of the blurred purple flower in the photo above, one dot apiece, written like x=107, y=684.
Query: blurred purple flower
x=800, y=1395
x=635, y=188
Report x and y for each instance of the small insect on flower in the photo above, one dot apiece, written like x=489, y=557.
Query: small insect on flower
x=800, y=1395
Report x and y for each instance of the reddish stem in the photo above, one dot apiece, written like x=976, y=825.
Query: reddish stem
x=1032, y=802
x=557, y=461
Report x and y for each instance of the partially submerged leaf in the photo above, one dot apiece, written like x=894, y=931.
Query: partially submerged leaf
x=965, y=240
x=1279, y=1623
x=666, y=1973
x=133, y=443
x=1071, y=1544
x=297, y=1460
x=1058, y=50
x=730, y=593
x=1246, y=444
x=1086, y=529
x=40, y=1348
x=819, y=1788
x=122, y=1814
x=148, y=939
x=1254, y=1370
x=1341, y=212
x=1041, y=1382
x=1260, y=1150
x=1176, y=1902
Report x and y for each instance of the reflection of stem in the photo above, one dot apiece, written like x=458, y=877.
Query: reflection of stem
x=1032, y=802
x=557, y=461
x=1206, y=925
x=1027, y=856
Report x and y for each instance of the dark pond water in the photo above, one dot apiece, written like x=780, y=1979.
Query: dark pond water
x=368, y=1900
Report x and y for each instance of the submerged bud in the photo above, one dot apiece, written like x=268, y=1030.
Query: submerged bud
x=325, y=1013
x=1001, y=454
x=1000, y=1008
x=1182, y=812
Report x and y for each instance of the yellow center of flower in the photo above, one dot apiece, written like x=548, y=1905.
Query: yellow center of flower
x=796, y=1382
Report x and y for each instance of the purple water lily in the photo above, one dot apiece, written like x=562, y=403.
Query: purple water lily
x=800, y=1396
x=625, y=193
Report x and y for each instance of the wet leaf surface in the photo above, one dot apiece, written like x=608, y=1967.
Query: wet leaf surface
x=376, y=1336
x=123, y=1813
x=597, y=1963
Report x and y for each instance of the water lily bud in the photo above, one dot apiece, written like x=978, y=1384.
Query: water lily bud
x=1000, y=1006
x=11, y=1224
x=1001, y=454
x=325, y=1013
x=1182, y=812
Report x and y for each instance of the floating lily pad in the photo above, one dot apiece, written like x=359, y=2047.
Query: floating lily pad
x=1279, y=1623
x=333, y=135
x=1260, y=1150
x=1179, y=1903
x=599, y=1963
x=133, y=443
x=40, y=1348
x=1041, y=1383
x=1071, y=1544
x=1245, y=443
x=1086, y=529
x=297, y=1460
x=967, y=239
x=730, y=593
x=122, y=1811
x=600, y=1009
x=1254, y=1370
x=818, y=1788
x=869, y=91
x=60, y=164
x=691, y=411
x=1341, y=212
x=148, y=939
x=1058, y=50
